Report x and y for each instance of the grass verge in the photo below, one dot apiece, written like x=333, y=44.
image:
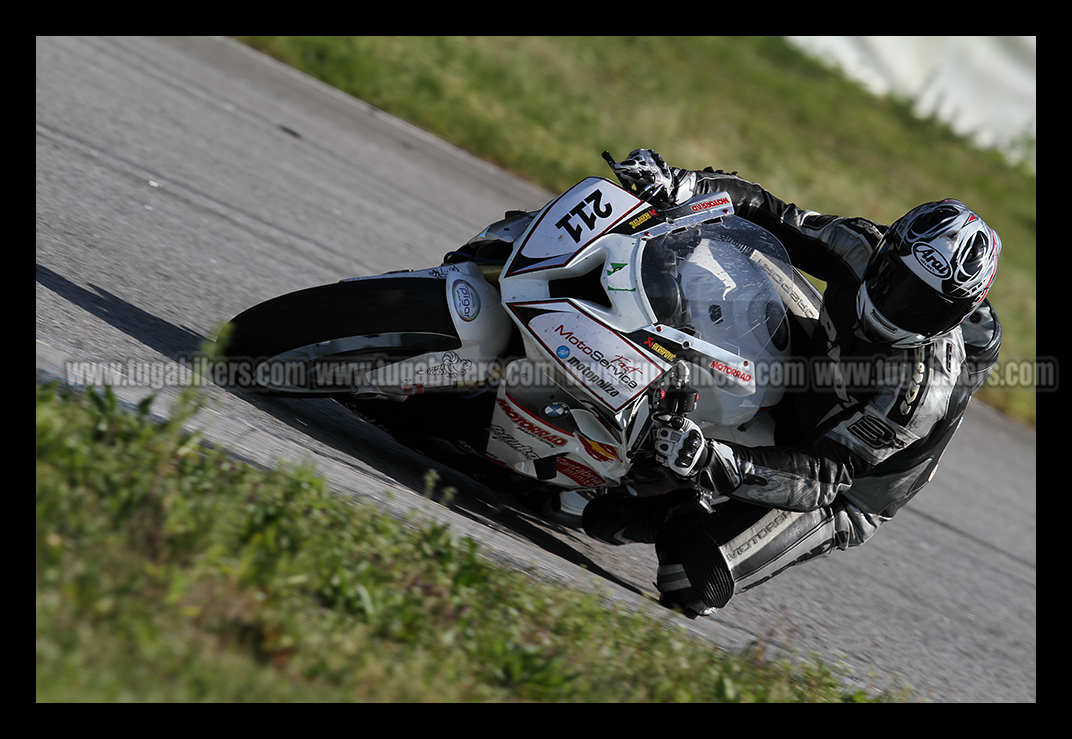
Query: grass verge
x=167, y=571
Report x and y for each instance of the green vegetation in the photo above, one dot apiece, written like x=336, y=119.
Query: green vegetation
x=545, y=107
x=167, y=571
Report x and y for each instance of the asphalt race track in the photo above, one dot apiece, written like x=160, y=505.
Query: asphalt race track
x=180, y=181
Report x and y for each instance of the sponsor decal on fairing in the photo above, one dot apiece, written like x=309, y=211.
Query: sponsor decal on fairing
x=466, y=300
x=611, y=368
x=530, y=426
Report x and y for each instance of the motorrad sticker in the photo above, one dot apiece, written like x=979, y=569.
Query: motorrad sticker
x=736, y=372
x=751, y=537
x=719, y=201
x=530, y=426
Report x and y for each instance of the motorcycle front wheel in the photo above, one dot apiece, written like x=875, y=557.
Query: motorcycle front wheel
x=321, y=341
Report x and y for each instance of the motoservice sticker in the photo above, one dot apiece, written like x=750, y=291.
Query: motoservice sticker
x=611, y=368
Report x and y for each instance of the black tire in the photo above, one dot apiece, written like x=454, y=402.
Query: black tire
x=413, y=307
x=450, y=427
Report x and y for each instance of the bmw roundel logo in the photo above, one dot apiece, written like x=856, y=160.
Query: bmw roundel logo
x=555, y=410
x=562, y=351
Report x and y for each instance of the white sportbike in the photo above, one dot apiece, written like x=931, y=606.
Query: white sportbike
x=535, y=356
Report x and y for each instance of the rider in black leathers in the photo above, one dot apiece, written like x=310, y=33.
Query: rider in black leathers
x=907, y=301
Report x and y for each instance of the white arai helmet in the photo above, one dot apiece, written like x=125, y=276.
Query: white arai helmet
x=929, y=272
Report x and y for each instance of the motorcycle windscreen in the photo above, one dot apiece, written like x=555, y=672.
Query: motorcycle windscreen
x=710, y=284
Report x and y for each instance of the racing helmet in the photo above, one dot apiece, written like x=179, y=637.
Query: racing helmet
x=928, y=273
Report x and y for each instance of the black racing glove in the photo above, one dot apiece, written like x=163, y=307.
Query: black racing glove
x=653, y=179
x=681, y=446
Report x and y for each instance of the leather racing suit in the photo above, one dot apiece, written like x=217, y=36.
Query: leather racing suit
x=851, y=448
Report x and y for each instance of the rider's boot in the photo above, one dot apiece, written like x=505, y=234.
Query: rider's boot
x=693, y=575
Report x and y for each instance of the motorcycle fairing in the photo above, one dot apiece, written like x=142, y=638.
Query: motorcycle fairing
x=569, y=223
x=540, y=429
x=590, y=353
x=482, y=327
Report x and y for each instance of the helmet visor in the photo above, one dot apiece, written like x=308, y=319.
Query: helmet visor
x=908, y=303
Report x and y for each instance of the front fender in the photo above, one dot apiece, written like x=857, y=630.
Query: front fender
x=482, y=323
